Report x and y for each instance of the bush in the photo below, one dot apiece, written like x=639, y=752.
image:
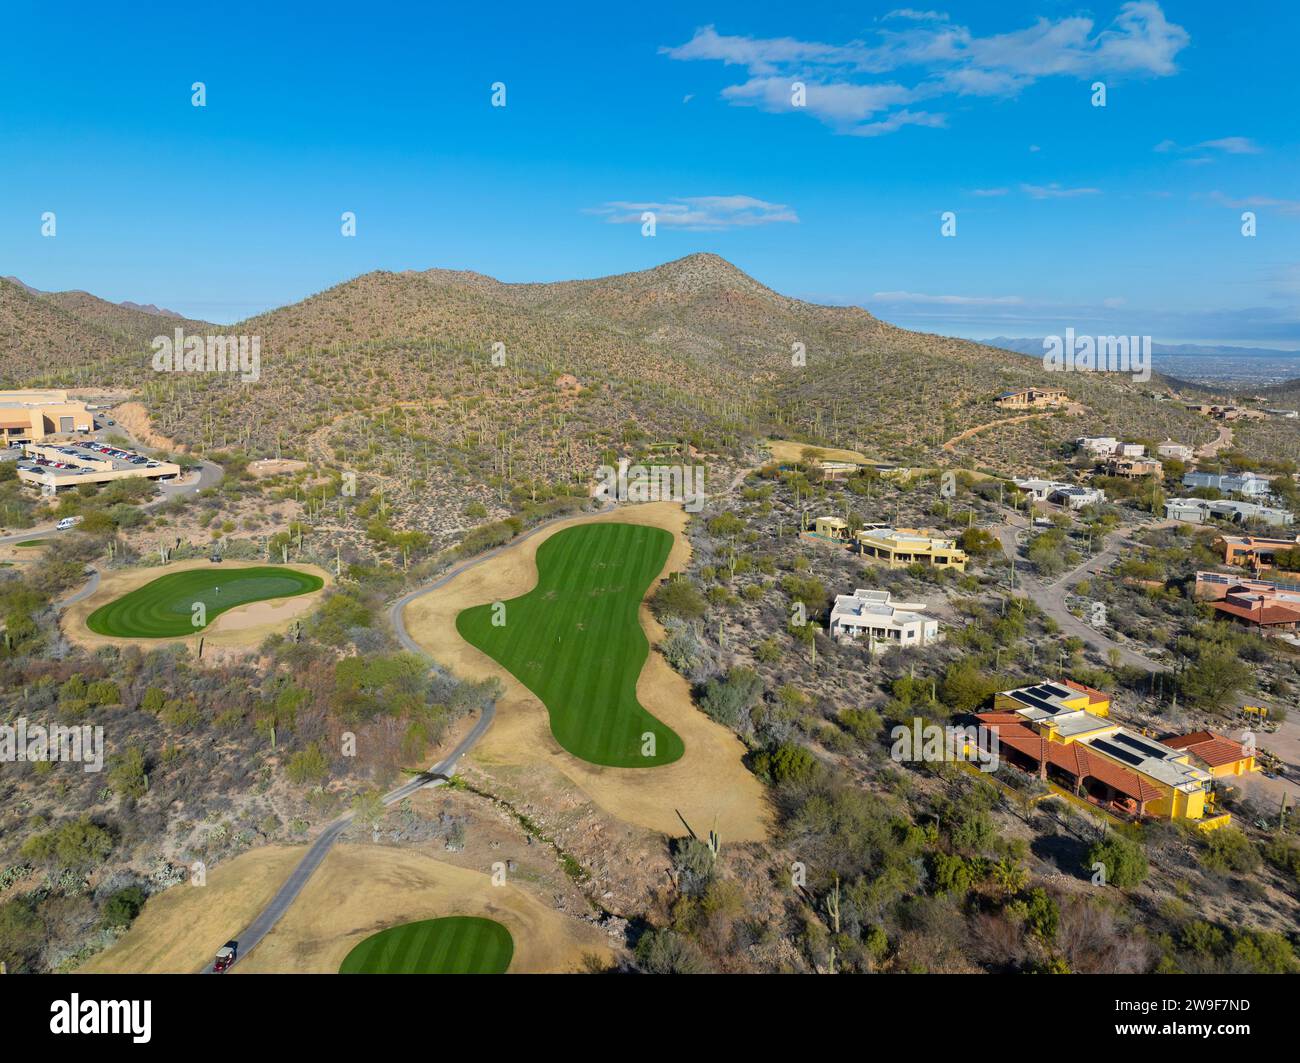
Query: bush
x=77, y=845
x=307, y=766
x=667, y=952
x=123, y=906
x=788, y=764
x=679, y=598
x=1124, y=860
x=729, y=700
x=1228, y=849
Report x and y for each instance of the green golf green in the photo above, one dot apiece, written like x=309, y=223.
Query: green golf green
x=575, y=641
x=458, y=944
x=164, y=608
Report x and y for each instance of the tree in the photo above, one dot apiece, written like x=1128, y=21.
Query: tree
x=1215, y=677
x=977, y=542
x=1123, y=859
x=77, y=845
x=368, y=808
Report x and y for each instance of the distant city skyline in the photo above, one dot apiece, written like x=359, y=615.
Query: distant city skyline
x=816, y=150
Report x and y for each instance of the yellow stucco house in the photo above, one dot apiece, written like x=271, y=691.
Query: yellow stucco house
x=1062, y=732
x=901, y=547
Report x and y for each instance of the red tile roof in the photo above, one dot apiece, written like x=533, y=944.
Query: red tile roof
x=1213, y=749
x=1083, y=689
x=1074, y=758
x=1270, y=614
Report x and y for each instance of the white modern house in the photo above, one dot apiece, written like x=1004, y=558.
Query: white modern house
x=1200, y=510
x=874, y=617
x=1038, y=490
x=1177, y=451
x=1131, y=450
x=1071, y=496
x=1246, y=483
x=1100, y=446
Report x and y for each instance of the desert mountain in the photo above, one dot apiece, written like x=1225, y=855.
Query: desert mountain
x=691, y=348
x=74, y=336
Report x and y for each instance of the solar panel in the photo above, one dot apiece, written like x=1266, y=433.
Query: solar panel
x=1150, y=748
x=1037, y=702
x=1120, y=754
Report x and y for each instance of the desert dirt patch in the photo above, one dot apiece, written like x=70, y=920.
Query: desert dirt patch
x=135, y=419
x=786, y=451
x=244, y=626
x=275, y=466
x=709, y=785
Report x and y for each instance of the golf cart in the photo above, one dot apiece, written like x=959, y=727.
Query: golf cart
x=225, y=957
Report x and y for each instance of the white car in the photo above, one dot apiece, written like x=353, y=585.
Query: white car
x=66, y=523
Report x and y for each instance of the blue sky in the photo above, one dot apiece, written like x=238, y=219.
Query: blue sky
x=1117, y=219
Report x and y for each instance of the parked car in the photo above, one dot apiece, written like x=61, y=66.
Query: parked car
x=66, y=523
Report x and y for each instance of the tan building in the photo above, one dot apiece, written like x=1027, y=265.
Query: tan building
x=831, y=528
x=1134, y=468
x=900, y=547
x=1032, y=398
x=1253, y=551
x=32, y=416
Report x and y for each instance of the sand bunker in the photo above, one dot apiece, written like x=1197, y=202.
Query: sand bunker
x=244, y=626
x=709, y=785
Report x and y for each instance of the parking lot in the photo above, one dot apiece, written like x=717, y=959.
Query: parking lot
x=88, y=461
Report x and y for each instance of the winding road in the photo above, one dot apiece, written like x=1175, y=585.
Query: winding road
x=1050, y=598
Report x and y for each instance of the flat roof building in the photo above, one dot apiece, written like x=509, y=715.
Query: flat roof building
x=900, y=547
x=1055, y=730
x=1246, y=483
x=1253, y=551
x=1033, y=398
x=54, y=466
x=875, y=617
x=1201, y=510
x=30, y=416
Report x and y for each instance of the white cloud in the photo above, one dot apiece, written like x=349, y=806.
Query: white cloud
x=1232, y=145
x=915, y=16
x=866, y=88
x=922, y=298
x=1282, y=206
x=698, y=213
x=989, y=191
x=1225, y=145
x=1056, y=191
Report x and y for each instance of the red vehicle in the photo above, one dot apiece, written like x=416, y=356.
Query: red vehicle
x=225, y=957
